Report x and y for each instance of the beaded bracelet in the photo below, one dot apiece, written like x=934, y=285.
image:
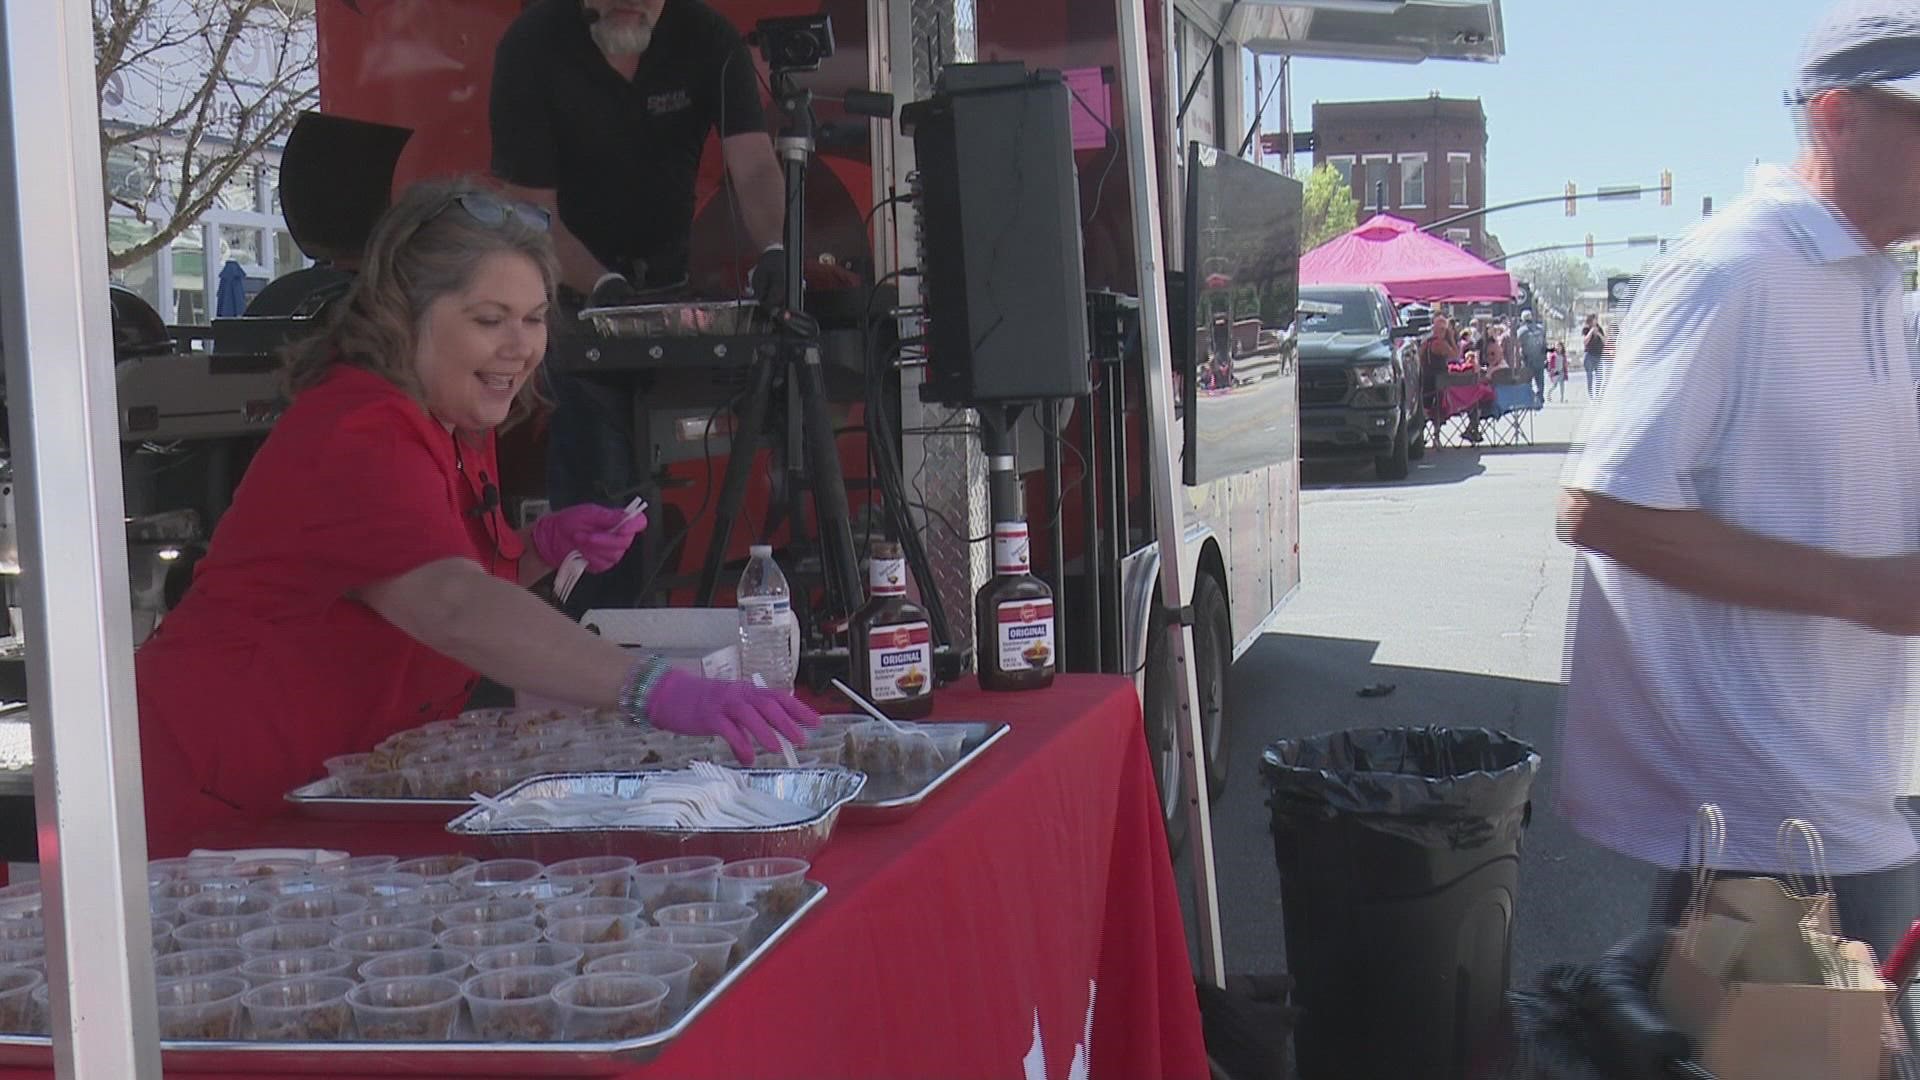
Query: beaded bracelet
x=636, y=692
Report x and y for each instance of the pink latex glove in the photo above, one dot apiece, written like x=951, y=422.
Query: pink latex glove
x=594, y=531
x=738, y=712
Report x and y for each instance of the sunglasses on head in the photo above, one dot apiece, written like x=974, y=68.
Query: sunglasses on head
x=493, y=211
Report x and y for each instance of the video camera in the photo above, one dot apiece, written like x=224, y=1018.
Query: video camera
x=794, y=42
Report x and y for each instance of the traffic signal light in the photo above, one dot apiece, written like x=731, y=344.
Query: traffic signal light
x=1573, y=204
x=1589, y=245
x=1666, y=187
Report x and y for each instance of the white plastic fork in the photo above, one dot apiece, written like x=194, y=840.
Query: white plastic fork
x=786, y=748
x=574, y=566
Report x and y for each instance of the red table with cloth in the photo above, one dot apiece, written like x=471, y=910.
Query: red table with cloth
x=1032, y=890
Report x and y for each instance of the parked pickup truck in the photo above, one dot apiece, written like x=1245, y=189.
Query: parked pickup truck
x=1359, y=379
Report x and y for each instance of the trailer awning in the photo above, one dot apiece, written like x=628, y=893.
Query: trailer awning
x=1396, y=31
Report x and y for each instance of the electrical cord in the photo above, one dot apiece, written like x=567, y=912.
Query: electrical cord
x=1113, y=155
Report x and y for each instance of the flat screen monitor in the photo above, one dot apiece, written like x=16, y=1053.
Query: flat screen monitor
x=1235, y=316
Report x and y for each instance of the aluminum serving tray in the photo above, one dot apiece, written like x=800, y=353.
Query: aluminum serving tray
x=825, y=791
x=684, y=319
x=438, y=1059
x=878, y=804
x=322, y=801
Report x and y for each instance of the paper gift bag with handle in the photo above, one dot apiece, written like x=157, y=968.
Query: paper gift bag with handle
x=1756, y=978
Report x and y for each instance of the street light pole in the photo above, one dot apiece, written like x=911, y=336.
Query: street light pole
x=1605, y=194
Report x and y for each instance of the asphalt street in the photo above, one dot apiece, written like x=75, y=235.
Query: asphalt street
x=1451, y=587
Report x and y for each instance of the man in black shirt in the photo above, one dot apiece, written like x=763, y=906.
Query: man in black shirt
x=600, y=112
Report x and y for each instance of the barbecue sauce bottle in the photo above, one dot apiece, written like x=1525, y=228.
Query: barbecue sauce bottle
x=891, y=642
x=1013, y=617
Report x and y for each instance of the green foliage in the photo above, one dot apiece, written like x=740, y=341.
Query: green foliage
x=1327, y=207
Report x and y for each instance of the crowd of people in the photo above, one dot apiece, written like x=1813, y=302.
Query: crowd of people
x=1497, y=352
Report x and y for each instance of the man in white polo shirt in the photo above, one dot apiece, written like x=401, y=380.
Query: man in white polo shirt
x=1747, y=509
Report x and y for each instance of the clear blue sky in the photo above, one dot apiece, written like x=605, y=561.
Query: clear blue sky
x=1603, y=94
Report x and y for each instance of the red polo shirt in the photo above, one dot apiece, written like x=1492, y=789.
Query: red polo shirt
x=270, y=665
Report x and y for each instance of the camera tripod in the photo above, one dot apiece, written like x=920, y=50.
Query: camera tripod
x=812, y=460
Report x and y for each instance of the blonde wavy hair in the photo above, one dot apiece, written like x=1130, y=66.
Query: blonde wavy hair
x=426, y=246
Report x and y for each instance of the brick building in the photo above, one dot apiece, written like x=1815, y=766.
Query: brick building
x=1430, y=154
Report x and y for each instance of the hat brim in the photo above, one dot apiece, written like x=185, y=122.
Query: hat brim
x=1908, y=87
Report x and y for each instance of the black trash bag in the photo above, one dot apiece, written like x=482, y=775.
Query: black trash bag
x=1438, y=787
x=1596, y=1022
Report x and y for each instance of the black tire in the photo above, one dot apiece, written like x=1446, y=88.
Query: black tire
x=1213, y=656
x=1417, y=440
x=1393, y=464
x=1159, y=713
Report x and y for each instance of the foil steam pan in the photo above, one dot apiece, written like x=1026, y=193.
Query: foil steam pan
x=824, y=791
x=720, y=317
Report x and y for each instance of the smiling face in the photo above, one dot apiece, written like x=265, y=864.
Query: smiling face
x=478, y=347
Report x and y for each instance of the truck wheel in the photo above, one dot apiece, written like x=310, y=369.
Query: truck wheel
x=1213, y=654
x=1393, y=464
x=1417, y=437
x=1160, y=713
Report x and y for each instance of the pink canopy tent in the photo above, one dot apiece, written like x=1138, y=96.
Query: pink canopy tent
x=1412, y=265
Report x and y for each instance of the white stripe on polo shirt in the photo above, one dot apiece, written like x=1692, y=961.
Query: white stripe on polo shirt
x=1763, y=375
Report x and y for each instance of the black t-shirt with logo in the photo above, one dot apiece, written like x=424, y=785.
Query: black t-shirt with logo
x=622, y=155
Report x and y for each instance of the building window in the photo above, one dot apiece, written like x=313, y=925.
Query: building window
x=1413, y=181
x=1343, y=164
x=1378, y=178
x=1460, y=237
x=1457, y=168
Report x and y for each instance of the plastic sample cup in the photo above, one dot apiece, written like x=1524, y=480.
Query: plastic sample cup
x=673, y=968
x=200, y=1007
x=419, y=964
x=273, y=967
x=735, y=919
x=775, y=887
x=18, y=1013
x=498, y=909
x=384, y=889
x=162, y=931
x=411, y=1009
x=354, y=866
x=497, y=877
x=318, y=906
x=439, y=895
x=600, y=875
x=711, y=950
x=585, y=906
x=207, y=933
x=190, y=866
x=404, y=916
x=253, y=869
x=594, y=935
x=27, y=928
x=610, y=1007
x=42, y=1009
x=311, y=1008
x=683, y=880
x=194, y=963
x=476, y=938
x=435, y=868
x=532, y=954
x=515, y=1004
x=287, y=937
x=224, y=905
x=364, y=945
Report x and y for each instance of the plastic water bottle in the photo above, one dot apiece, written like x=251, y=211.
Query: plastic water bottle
x=766, y=621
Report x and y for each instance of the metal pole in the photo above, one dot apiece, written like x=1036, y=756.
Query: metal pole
x=1144, y=180
x=60, y=393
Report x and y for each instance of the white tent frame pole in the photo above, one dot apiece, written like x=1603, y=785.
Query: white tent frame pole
x=1136, y=118
x=60, y=397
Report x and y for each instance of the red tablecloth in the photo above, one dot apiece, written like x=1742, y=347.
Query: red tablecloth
x=1454, y=400
x=1031, y=891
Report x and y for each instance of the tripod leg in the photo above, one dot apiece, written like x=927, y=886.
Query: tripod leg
x=840, y=564
x=741, y=449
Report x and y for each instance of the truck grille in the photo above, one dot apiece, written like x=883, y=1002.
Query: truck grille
x=1323, y=387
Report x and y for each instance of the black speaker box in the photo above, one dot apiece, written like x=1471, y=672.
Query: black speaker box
x=1000, y=258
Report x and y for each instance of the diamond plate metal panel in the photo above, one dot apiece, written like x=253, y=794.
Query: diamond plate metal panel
x=947, y=475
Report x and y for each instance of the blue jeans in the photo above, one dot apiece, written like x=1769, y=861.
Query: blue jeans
x=1593, y=375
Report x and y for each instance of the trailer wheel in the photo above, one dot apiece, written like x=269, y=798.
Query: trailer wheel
x=1160, y=713
x=1213, y=653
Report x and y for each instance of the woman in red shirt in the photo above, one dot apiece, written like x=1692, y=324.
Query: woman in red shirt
x=364, y=576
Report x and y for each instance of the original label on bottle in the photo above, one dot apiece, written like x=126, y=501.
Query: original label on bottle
x=899, y=661
x=763, y=611
x=1026, y=634
x=887, y=577
x=1011, y=554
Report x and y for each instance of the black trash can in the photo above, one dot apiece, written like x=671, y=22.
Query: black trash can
x=1399, y=857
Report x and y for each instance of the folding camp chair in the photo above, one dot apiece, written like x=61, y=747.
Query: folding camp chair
x=1512, y=421
x=1450, y=428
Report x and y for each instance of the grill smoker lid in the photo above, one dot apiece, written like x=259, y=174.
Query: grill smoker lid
x=336, y=179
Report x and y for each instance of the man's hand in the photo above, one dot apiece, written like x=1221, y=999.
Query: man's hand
x=613, y=290
x=1882, y=594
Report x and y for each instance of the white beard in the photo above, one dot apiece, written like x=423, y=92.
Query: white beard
x=621, y=40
